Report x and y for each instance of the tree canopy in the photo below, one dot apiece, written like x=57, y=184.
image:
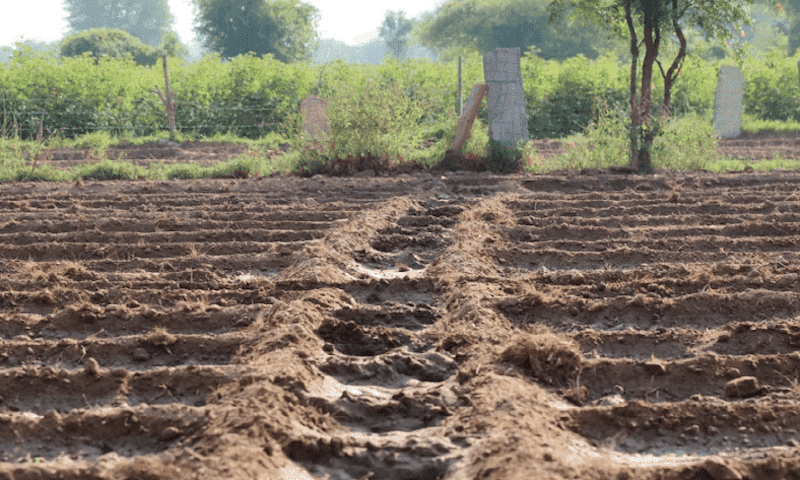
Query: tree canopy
x=488, y=24
x=792, y=9
x=654, y=21
x=283, y=28
x=395, y=29
x=147, y=20
x=111, y=42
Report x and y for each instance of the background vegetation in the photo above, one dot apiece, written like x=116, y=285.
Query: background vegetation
x=100, y=84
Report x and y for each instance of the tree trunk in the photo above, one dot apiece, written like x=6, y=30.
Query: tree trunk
x=671, y=75
x=169, y=103
x=651, y=41
x=635, y=126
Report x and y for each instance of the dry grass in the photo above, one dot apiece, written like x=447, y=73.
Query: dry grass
x=160, y=337
x=547, y=356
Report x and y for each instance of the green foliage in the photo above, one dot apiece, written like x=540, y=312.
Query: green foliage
x=147, y=20
x=246, y=96
x=108, y=42
x=395, y=29
x=769, y=92
x=258, y=97
x=171, y=46
x=486, y=24
x=110, y=170
x=381, y=125
x=686, y=143
x=560, y=97
x=753, y=124
x=282, y=28
x=97, y=143
x=503, y=158
x=604, y=142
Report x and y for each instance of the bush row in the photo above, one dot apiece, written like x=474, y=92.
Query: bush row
x=250, y=96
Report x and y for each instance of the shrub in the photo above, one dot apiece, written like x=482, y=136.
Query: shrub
x=371, y=119
x=768, y=93
x=685, y=143
x=108, y=42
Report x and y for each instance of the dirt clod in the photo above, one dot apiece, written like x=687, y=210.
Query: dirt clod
x=140, y=355
x=718, y=470
x=742, y=387
x=91, y=366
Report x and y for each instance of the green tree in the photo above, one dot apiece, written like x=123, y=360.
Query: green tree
x=110, y=42
x=792, y=28
x=107, y=42
x=654, y=21
x=147, y=20
x=484, y=25
x=395, y=29
x=283, y=28
x=172, y=46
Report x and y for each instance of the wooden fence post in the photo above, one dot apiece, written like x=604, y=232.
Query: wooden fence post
x=469, y=115
x=169, y=103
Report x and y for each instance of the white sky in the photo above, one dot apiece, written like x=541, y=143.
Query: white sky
x=351, y=21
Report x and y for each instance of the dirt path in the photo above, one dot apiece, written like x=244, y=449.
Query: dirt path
x=418, y=327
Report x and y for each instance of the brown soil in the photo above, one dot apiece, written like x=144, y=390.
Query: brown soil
x=458, y=326
x=203, y=153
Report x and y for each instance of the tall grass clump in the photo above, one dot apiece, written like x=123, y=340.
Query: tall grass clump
x=682, y=143
x=603, y=143
x=371, y=118
x=685, y=143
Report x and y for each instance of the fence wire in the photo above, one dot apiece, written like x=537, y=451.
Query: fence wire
x=71, y=118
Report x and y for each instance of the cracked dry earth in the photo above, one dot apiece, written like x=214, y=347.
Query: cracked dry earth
x=459, y=326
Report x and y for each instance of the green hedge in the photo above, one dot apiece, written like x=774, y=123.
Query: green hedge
x=250, y=96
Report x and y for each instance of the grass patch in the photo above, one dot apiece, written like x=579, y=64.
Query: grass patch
x=685, y=143
x=751, y=124
x=110, y=170
x=777, y=162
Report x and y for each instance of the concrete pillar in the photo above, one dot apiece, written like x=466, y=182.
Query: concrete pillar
x=508, y=117
x=728, y=102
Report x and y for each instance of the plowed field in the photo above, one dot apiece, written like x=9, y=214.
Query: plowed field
x=462, y=326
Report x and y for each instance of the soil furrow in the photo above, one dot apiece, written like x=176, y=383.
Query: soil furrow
x=453, y=326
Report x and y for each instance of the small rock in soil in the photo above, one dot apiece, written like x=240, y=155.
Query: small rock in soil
x=91, y=366
x=655, y=367
x=169, y=434
x=719, y=471
x=742, y=387
x=140, y=355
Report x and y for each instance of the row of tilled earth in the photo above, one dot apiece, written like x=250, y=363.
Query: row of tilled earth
x=460, y=326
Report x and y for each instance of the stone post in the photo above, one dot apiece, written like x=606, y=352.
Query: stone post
x=728, y=102
x=315, y=120
x=508, y=117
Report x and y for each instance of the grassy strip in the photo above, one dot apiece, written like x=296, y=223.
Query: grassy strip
x=751, y=124
x=16, y=165
x=687, y=143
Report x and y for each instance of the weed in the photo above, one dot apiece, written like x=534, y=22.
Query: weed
x=370, y=119
x=160, y=337
x=97, y=143
x=110, y=170
x=686, y=143
x=503, y=158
